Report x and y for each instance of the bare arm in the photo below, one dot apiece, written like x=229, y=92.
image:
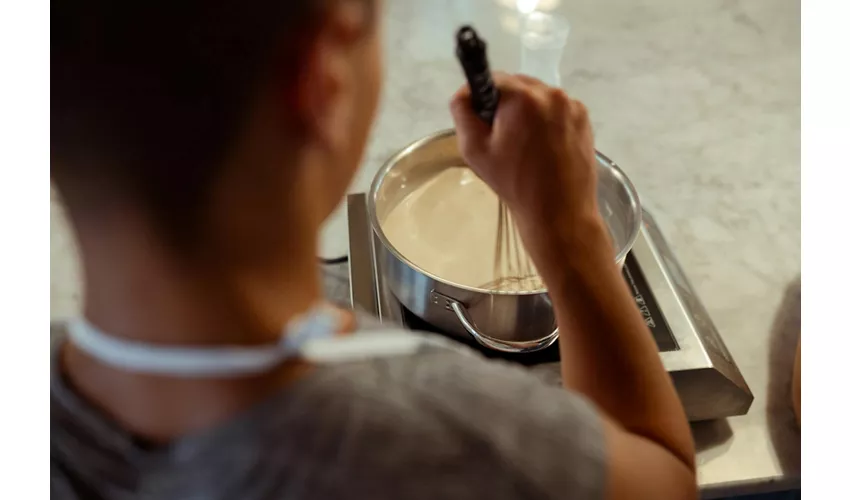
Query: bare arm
x=539, y=158
x=607, y=352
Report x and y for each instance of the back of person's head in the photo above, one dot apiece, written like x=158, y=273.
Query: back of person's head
x=168, y=106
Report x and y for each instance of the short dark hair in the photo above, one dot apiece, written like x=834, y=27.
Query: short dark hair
x=147, y=97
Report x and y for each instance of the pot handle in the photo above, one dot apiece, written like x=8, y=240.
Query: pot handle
x=500, y=345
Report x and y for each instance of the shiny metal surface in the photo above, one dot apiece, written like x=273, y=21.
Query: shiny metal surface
x=502, y=320
x=361, y=278
x=705, y=374
x=469, y=325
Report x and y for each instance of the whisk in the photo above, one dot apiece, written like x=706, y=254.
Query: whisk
x=512, y=269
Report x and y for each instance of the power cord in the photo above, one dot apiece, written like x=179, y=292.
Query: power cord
x=334, y=261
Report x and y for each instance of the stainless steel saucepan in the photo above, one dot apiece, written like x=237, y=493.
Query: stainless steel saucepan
x=507, y=321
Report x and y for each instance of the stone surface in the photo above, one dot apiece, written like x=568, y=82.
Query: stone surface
x=699, y=102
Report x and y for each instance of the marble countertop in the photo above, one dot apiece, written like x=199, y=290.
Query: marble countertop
x=699, y=103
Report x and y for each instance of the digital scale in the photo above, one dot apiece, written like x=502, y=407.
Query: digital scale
x=705, y=375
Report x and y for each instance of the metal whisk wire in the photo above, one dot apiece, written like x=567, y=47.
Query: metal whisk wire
x=512, y=269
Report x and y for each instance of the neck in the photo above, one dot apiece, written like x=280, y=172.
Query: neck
x=141, y=290
x=138, y=289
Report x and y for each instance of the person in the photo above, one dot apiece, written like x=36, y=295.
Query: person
x=198, y=146
x=796, y=385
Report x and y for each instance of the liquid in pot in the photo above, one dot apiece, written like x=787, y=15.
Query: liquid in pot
x=448, y=228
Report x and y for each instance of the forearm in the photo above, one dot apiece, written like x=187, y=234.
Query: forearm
x=607, y=352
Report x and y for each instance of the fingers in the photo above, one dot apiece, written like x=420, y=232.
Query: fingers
x=523, y=106
x=578, y=115
x=555, y=95
x=556, y=98
x=472, y=132
x=529, y=80
x=508, y=84
x=532, y=95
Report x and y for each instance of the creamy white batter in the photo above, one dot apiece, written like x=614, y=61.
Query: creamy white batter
x=448, y=228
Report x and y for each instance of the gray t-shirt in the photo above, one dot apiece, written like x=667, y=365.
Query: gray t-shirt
x=437, y=424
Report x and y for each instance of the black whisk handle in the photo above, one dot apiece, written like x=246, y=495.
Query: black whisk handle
x=471, y=51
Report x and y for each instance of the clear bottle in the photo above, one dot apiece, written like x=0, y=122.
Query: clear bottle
x=543, y=38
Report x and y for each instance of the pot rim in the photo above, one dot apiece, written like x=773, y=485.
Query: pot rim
x=376, y=225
